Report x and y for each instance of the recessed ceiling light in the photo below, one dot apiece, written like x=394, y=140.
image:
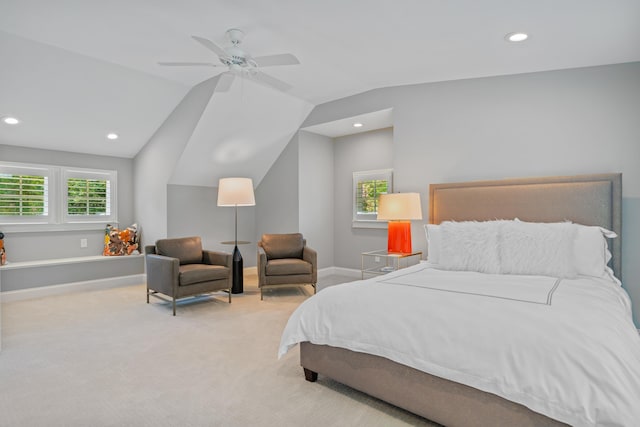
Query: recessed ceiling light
x=516, y=37
x=10, y=120
x=357, y=125
x=112, y=135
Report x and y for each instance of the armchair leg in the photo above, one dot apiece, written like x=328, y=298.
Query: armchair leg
x=229, y=296
x=174, y=306
x=315, y=288
x=147, y=294
x=261, y=296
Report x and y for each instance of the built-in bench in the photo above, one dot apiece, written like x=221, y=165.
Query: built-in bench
x=34, y=279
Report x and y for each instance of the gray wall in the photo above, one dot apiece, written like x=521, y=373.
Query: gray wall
x=28, y=246
x=277, y=195
x=550, y=123
x=193, y=211
x=360, y=152
x=315, y=194
x=47, y=275
x=154, y=164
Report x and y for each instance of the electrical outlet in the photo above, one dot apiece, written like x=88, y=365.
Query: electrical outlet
x=83, y=243
x=377, y=259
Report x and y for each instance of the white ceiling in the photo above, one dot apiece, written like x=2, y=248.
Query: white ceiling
x=74, y=70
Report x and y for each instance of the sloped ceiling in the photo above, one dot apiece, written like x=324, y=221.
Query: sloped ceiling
x=241, y=133
x=74, y=70
x=69, y=102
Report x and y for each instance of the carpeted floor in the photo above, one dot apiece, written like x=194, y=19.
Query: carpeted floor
x=106, y=358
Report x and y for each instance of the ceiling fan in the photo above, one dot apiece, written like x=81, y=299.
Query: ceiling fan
x=240, y=62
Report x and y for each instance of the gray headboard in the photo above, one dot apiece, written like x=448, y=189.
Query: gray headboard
x=584, y=199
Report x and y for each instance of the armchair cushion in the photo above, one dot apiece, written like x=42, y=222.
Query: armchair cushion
x=283, y=245
x=287, y=266
x=187, y=249
x=190, y=274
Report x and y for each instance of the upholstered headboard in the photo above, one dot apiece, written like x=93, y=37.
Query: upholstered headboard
x=584, y=199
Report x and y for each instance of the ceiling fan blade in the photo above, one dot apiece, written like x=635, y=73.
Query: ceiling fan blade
x=211, y=46
x=224, y=82
x=188, y=64
x=273, y=60
x=271, y=81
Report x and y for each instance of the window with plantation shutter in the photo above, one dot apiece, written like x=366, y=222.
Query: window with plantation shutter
x=24, y=194
x=367, y=188
x=43, y=197
x=88, y=195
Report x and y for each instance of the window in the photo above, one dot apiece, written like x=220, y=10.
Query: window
x=41, y=197
x=24, y=194
x=367, y=187
x=88, y=195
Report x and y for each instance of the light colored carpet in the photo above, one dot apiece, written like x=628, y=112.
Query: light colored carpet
x=106, y=358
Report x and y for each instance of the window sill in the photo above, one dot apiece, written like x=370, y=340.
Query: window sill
x=45, y=228
x=369, y=224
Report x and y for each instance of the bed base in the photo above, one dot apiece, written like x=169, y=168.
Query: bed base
x=445, y=402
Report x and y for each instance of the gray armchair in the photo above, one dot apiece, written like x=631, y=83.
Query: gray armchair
x=285, y=259
x=180, y=268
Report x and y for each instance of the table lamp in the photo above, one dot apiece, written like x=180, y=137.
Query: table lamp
x=236, y=192
x=399, y=209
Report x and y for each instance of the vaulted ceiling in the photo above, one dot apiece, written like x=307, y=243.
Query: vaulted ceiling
x=74, y=70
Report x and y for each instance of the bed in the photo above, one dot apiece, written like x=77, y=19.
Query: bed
x=451, y=382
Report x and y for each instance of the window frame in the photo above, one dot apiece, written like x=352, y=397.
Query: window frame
x=35, y=170
x=110, y=176
x=358, y=220
x=57, y=218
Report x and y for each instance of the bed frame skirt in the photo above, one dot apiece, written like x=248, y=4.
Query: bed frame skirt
x=446, y=402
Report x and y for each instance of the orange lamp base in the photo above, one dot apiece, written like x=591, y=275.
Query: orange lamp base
x=399, y=240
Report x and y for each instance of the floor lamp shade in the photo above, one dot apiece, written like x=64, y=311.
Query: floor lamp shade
x=236, y=192
x=399, y=209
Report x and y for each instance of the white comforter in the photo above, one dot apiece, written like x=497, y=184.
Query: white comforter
x=564, y=348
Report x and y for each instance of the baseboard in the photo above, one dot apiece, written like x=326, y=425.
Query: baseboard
x=340, y=271
x=66, y=288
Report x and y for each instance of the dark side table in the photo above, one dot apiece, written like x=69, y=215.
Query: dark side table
x=237, y=271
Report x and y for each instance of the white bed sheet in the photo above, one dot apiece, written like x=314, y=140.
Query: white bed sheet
x=565, y=348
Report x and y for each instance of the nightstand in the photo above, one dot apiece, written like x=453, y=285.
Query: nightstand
x=383, y=262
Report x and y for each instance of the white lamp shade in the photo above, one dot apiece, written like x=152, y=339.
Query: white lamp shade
x=236, y=192
x=399, y=206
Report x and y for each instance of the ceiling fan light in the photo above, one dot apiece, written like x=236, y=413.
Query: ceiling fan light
x=112, y=136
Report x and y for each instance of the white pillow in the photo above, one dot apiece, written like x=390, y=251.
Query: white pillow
x=469, y=246
x=555, y=251
x=434, y=240
x=545, y=249
x=592, y=251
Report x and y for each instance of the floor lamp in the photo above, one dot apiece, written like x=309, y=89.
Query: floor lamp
x=236, y=192
x=399, y=209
